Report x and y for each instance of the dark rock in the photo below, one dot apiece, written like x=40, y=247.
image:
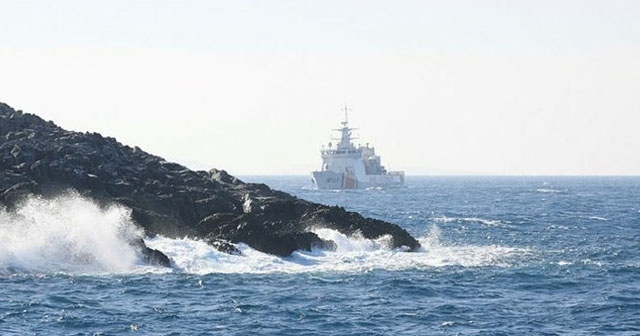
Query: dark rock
x=166, y=198
x=351, y=223
x=223, y=177
x=224, y=246
x=151, y=256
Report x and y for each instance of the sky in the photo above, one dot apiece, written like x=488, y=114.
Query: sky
x=254, y=87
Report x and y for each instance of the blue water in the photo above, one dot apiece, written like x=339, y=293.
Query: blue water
x=502, y=256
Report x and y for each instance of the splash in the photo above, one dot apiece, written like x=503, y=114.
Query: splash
x=441, y=254
x=353, y=254
x=73, y=235
x=68, y=234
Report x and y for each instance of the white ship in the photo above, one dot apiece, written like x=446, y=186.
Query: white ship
x=348, y=167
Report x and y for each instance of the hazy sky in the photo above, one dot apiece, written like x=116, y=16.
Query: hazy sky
x=253, y=87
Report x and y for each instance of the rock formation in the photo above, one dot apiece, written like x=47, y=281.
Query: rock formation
x=38, y=157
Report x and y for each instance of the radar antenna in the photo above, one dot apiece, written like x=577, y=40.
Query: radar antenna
x=346, y=109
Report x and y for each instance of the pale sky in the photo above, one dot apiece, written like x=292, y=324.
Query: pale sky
x=254, y=87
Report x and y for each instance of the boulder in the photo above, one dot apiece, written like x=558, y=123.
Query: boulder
x=151, y=256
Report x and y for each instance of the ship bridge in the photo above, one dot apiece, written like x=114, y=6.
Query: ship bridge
x=345, y=147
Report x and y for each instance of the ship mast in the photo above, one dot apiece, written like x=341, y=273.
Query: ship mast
x=346, y=119
x=345, y=136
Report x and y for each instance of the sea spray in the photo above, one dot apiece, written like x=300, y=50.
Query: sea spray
x=355, y=242
x=72, y=234
x=353, y=254
x=68, y=233
x=441, y=254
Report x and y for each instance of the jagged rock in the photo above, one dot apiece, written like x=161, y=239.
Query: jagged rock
x=224, y=177
x=224, y=246
x=38, y=157
x=151, y=256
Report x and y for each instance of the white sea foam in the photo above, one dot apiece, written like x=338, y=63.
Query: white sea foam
x=550, y=191
x=66, y=234
x=71, y=234
x=352, y=255
x=488, y=222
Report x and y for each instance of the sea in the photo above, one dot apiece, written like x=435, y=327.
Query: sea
x=499, y=256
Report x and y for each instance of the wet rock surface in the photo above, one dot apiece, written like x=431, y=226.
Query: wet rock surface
x=38, y=157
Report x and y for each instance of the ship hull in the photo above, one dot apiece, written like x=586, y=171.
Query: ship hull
x=332, y=180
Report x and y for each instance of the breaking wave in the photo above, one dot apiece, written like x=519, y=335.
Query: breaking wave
x=352, y=255
x=67, y=234
x=488, y=222
x=71, y=234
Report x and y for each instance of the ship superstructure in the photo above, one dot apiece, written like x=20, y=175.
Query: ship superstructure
x=346, y=166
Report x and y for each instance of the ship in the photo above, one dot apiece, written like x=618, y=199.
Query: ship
x=346, y=166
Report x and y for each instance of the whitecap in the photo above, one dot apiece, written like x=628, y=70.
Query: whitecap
x=74, y=235
x=550, y=191
x=353, y=254
x=68, y=234
x=488, y=222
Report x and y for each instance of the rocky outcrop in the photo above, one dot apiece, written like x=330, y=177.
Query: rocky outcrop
x=151, y=256
x=38, y=157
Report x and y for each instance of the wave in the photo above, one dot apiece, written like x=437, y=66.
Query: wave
x=73, y=235
x=488, y=222
x=598, y=218
x=352, y=255
x=68, y=234
x=550, y=191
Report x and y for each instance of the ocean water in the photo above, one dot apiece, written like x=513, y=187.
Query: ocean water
x=501, y=256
